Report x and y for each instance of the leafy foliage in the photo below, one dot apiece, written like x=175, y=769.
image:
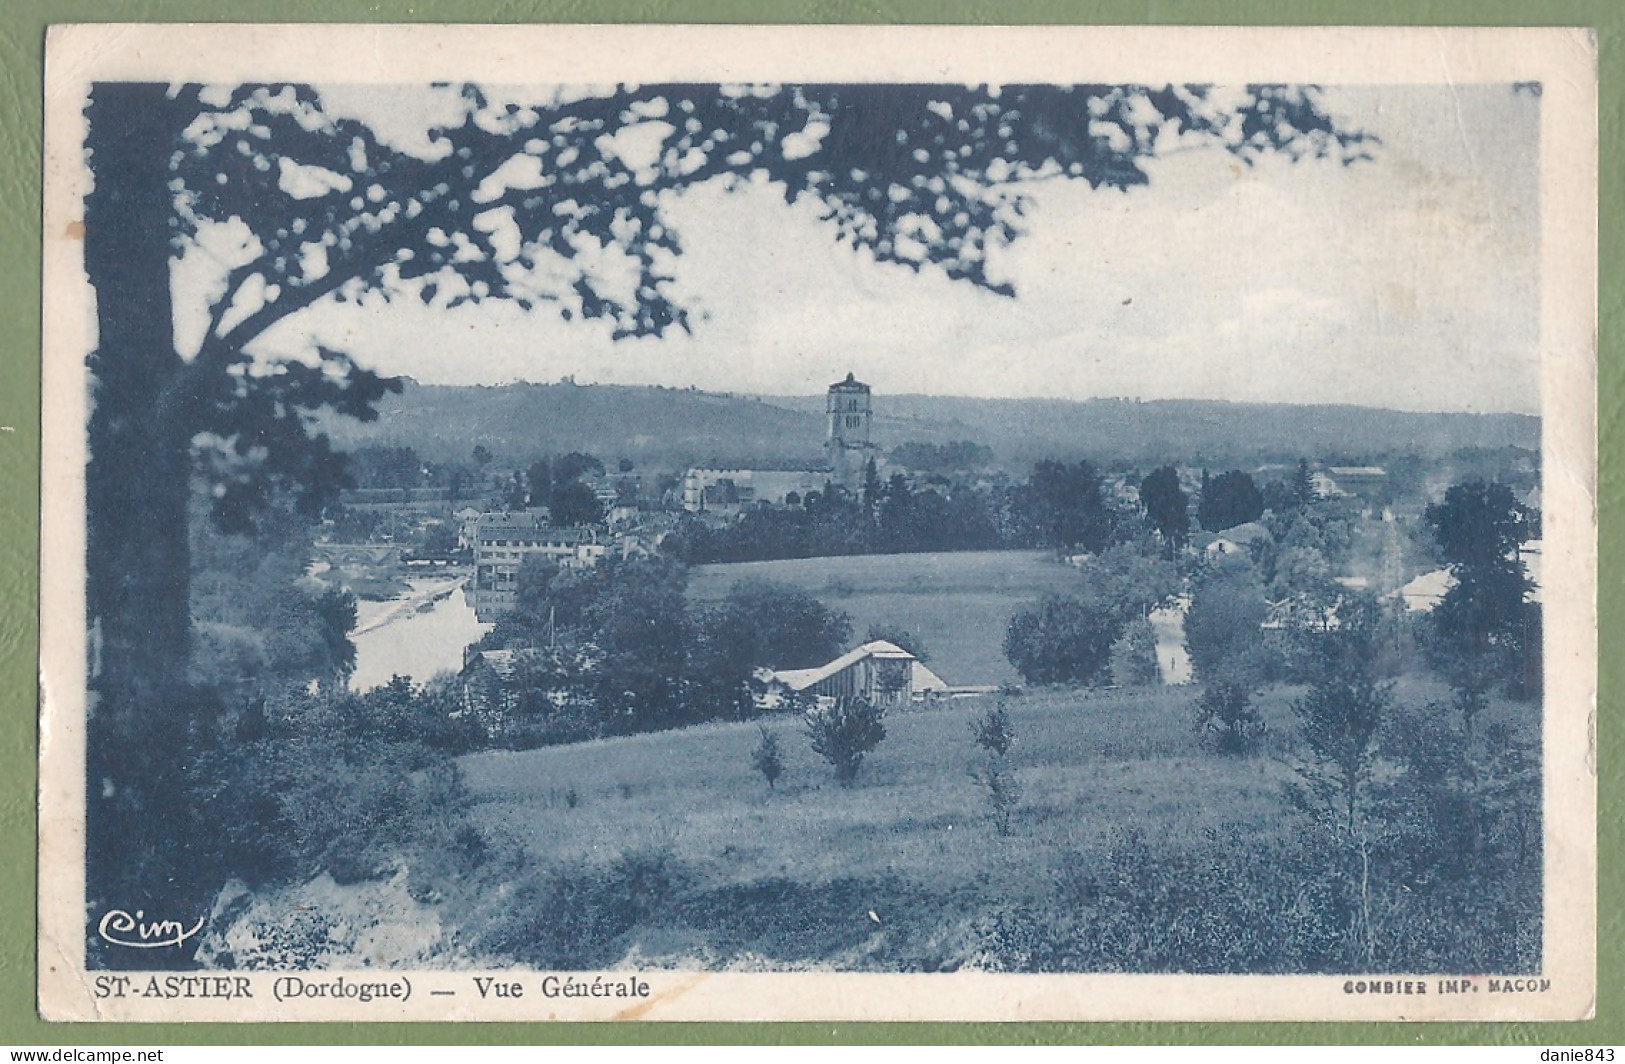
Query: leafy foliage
x=1132, y=576
x=1222, y=626
x=1302, y=488
x=1063, y=506
x=767, y=758
x=1063, y=639
x=575, y=504
x=627, y=652
x=992, y=730
x=1228, y=500
x=1486, y=628
x=1167, y=505
x=1225, y=641
x=1342, y=711
x=385, y=467
x=900, y=637
x=780, y=626
x=1480, y=526
x=892, y=164
x=1226, y=708
x=572, y=916
x=1134, y=656
x=886, y=519
x=1467, y=805
x=1003, y=790
x=957, y=456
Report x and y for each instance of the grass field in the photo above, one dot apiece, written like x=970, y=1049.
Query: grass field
x=1133, y=846
x=959, y=604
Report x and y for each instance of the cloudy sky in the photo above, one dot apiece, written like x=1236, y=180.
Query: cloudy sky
x=1410, y=282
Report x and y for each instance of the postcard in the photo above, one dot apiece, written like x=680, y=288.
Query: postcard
x=818, y=523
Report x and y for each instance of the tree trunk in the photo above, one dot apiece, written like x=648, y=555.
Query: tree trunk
x=138, y=475
x=136, y=493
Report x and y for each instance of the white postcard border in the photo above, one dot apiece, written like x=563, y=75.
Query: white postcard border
x=1564, y=60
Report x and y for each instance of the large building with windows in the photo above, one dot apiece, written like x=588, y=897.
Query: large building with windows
x=502, y=542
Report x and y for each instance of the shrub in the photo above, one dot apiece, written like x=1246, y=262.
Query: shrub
x=573, y=916
x=767, y=758
x=993, y=733
x=992, y=730
x=1226, y=708
x=1003, y=790
x=1063, y=640
x=1240, y=901
x=842, y=731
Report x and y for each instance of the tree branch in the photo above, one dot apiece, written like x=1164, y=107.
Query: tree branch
x=235, y=280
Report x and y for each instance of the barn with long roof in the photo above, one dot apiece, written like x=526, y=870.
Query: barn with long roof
x=880, y=672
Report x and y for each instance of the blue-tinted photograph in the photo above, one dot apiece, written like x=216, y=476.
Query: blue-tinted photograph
x=810, y=527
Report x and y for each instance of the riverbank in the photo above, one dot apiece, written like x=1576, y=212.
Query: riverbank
x=417, y=634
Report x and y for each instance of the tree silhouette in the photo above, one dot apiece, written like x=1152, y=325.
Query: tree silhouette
x=536, y=202
x=1486, y=628
x=1063, y=639
x=1304, y=492
x=1228, y=500
x=1064, y=506
x=1167, y=505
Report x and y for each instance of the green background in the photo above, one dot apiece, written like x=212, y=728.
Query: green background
x=22, y=40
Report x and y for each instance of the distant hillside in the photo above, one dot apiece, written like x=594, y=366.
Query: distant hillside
x=672, y=427
x=516, y=422
x=1185, y=430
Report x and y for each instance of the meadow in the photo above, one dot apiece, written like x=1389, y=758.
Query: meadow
x=1134, y=846
x=958, y=604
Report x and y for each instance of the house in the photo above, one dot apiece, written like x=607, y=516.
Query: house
x=530, y=694
x=1425, y=592
x=881, y=672
x=1233, y=541
x=488, y=682
x=1364, y=481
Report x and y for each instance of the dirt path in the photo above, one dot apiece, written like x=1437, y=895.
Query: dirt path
x=1173, y=660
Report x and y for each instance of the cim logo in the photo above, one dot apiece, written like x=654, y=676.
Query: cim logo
x=137, y=932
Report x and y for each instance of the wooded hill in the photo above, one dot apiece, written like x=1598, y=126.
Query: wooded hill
x=669, y=427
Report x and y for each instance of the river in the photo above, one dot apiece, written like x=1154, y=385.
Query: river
x=416, y=634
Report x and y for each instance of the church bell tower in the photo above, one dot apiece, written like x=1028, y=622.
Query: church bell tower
x=848, y=445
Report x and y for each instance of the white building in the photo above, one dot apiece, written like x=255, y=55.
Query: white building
x=719, y=490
